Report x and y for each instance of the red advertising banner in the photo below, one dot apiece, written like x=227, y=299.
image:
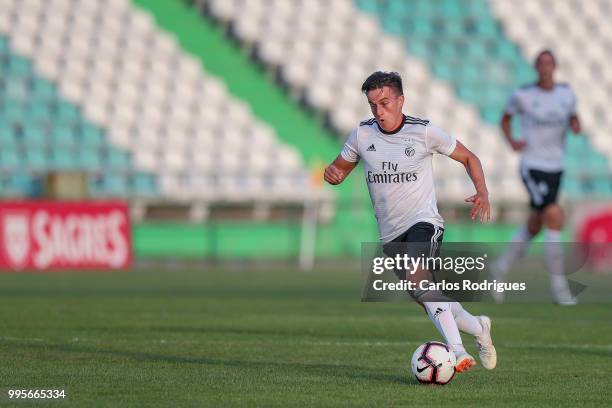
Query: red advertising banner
x=596, y=231
x=64, y=235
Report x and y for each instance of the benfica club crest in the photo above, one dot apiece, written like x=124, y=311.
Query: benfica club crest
x=16, y=238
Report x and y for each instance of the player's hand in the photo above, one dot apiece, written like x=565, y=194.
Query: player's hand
x=333, y=175
x=518, y=145
x=575, y=124
x=481, y=207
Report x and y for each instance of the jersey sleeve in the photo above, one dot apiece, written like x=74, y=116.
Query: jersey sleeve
x=513, y=106
x=350, y=151
x=438, y=141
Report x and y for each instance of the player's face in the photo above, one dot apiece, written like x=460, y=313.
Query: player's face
x=545, y=65
x=386, y=106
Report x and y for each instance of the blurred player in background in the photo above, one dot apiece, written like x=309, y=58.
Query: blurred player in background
x=546, y=109
x=397, y=153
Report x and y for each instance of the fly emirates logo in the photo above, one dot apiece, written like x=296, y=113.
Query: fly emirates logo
x=389, y=174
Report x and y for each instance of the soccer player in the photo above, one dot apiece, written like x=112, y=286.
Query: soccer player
x=397, y=154
x=546, y=109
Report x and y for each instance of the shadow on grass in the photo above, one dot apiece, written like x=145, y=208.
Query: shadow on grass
x=289, y=332
x=321, y=369
x=274, y=293
x=286, y=331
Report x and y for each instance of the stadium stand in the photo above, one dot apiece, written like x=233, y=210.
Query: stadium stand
x=582, y=62
x=163, y=117
x=462, y=43
x=156, y=100
x=467, y=45
x=42, y=132
x=458, y=59
x=342, y=34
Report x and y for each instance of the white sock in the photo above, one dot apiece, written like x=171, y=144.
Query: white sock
x=466, y=322
x=442, y=317
x=553, y=253
x=515, y=250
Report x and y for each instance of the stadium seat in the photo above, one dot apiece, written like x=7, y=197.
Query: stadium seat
x=90, y=86
x=578, y=64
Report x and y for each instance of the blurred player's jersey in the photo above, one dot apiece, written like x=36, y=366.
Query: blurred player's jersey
x=545, y=118
x=398, y=171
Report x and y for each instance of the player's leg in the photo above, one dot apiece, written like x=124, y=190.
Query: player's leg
x=449, y=317
x=522, y=238
x=553, y=253
x=519, y=244
x=477, y=326
x=442, y=317
x=441, y=310
x=424, y=239
x=534, y=225
x=480, y=328
x=466, y=322
x=553, y=219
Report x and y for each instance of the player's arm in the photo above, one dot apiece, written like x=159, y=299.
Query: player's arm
x=574, y=123
x=480, y=201
x=506, y=127
x=337, y=171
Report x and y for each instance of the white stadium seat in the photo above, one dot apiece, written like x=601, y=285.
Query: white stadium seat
x=580, y=59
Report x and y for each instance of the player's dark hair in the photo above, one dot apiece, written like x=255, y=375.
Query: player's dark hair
x=380, y=78
x=542, y=53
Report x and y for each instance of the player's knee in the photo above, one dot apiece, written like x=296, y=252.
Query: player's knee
x=534, y=229
x=553, y=216
x=534, y=224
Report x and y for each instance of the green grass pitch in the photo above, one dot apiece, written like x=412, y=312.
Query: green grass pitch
x=243, y=338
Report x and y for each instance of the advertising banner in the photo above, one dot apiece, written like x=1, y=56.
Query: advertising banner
x=64, y=235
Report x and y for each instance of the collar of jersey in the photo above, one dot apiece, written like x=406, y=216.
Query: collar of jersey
x=393, y=131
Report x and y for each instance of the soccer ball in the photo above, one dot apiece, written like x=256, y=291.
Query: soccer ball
x=433, y=363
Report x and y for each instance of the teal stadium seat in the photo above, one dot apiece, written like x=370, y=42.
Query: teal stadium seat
x=109, y=185
x=64, y=134
x=63, y=158
x=40, y=132
x=7, y=133
x=9, y=159
x=36, y=159
x=572, y=187
x=39, y=112
x=89, y=158
x=66, y=113
x=602, y=186
x=91, y=136
x=18, y=67
x=42, y=90
x=12, y=111
x=33, y=134
x=143, y=185
x=17, y=89
x=117, y=160
x=464, y=44
x=18, y=184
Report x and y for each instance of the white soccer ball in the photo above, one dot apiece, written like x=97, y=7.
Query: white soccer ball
x=433, y=363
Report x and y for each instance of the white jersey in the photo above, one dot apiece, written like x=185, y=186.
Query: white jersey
x=399, y=173
x=545, y=118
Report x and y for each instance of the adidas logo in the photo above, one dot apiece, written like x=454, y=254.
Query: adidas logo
x=437, y=312
x=371, y=148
